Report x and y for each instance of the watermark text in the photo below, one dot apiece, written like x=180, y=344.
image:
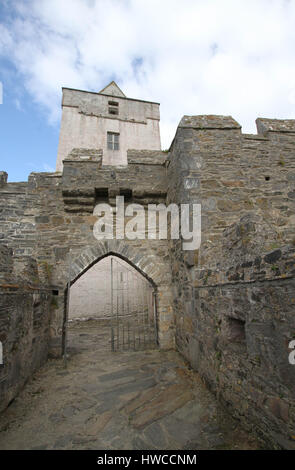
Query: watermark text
x=154, y=222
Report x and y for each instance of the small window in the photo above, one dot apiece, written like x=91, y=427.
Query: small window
x=236, y=330
x=101, y=194
x=127, y=193
x=113, y=141
x=113, y=107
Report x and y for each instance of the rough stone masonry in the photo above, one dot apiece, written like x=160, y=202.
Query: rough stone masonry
x=228, y=308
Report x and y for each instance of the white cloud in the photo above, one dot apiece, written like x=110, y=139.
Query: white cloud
x=196, y=57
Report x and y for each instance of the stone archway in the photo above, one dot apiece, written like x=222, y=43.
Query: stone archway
x=114, y=297
x=148, y=263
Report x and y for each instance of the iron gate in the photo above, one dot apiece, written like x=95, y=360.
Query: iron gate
x=133, y=309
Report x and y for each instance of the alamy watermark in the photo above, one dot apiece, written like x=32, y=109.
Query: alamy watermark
x=135, y=222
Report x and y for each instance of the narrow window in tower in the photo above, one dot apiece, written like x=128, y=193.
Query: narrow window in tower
x=113, y=141
x=113, y=107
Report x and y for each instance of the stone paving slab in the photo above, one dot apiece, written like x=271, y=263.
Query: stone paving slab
x=124, y=400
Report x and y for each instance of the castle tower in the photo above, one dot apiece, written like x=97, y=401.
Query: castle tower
x=107, y=120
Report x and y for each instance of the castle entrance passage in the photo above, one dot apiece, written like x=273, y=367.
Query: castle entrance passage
x=116, y=296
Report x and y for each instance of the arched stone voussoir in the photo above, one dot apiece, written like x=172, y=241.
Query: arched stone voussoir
x=149, y=265
x=115, y=245
x=98, y=250
x=153, y=267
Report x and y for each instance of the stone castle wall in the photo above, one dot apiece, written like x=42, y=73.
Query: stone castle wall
x=234, y=297
x=25, y=303
x=51, y=218
x=229, y=306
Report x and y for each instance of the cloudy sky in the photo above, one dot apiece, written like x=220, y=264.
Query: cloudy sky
x=231, y=57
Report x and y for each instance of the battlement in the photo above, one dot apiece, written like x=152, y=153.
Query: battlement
x=210, y=121
x=265, y=125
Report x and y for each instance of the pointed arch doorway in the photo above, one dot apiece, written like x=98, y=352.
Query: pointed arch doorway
x=115, y=295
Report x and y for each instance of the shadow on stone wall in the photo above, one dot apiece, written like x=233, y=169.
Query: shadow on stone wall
x=24, y=323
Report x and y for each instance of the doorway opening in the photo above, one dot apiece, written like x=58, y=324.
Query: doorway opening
x=113, y=294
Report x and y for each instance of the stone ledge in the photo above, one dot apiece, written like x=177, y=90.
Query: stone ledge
x=146, y=157
x=265, y=125
x=209, y=122
x=83, y=154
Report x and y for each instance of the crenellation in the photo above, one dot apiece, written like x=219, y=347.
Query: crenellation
x=268, y=126
x=3, y=178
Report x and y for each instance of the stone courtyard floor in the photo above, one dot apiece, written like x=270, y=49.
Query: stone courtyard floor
x=141, y=400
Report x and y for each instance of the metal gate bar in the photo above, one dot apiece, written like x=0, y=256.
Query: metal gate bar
x=133, y=309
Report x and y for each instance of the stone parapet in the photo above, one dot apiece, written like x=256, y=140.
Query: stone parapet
x=265, y=125
x=3, y=178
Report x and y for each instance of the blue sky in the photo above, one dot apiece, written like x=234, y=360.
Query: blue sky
x=230, y=57
x=27, y=142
